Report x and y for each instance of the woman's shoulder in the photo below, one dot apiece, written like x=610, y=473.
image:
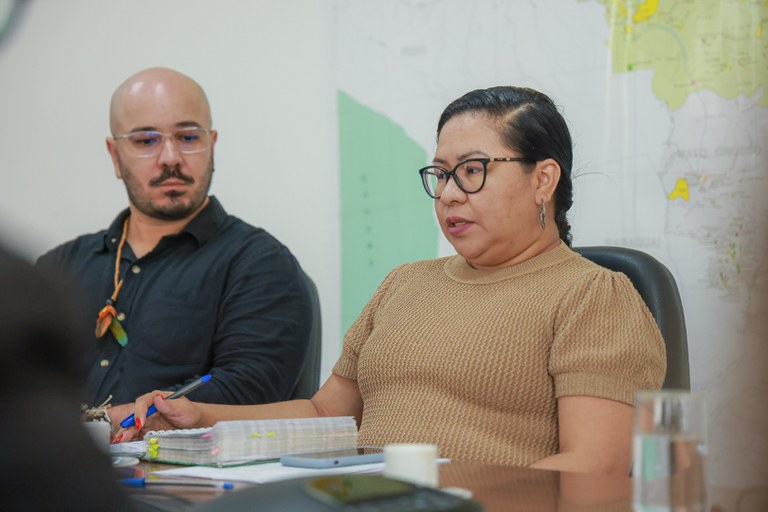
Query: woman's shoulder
x=584, y=282
x=581, y=267
x=563, y=264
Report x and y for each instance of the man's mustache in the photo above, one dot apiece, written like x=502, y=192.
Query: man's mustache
x=171, y=173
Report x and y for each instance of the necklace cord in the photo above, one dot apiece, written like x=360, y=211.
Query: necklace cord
x=118, y=281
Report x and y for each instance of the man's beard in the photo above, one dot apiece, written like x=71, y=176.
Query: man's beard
x=177, y=209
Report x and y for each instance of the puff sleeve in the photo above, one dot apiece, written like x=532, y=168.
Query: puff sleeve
x=606, y=343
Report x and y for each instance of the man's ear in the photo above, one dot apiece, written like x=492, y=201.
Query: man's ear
x=112, y=149
x=214, y=138
x=547, y=176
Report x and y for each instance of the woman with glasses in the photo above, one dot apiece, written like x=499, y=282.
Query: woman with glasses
x=514, y=351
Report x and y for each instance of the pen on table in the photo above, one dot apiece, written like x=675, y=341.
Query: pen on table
x=144, y=482
x=130, y=420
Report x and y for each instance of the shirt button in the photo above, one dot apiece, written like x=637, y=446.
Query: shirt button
x=135, y=269
x=104, y=363
x=121, y=316
x=114, y=240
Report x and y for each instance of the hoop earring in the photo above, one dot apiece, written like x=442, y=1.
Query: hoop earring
x=543, y=216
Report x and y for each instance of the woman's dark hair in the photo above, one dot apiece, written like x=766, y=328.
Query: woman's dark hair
x=531, y=126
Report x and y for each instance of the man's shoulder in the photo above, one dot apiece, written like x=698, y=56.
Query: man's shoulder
x=248, y=234
x=238, y=224
x=239, y=243
x=90, y=242
x=214, y=224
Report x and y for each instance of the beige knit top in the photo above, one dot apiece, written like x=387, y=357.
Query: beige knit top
x=474, y=361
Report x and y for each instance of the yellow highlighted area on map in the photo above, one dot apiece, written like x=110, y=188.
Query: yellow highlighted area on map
x=680, y=190
x=645, y=10
x=714, y=45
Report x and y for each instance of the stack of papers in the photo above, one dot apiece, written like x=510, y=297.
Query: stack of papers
x=240, y=442
x=131, y=449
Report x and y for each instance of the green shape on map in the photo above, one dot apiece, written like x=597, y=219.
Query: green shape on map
x=386, y=217
x=717, y=45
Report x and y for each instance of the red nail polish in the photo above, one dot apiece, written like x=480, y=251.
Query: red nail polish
x=138, y=424
x=161, y=396
x=117, y=439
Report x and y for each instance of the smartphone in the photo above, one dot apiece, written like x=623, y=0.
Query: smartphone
x=377, y=493
x=335, y=458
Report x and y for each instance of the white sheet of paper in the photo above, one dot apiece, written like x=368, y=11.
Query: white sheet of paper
x=269, y=472
x=263, y=473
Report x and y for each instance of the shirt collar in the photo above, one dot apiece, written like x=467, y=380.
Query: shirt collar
x=202, y=227
x=114, y=232
x=207, y=222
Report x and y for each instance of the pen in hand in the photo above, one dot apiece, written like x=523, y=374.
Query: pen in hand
x=131, y=420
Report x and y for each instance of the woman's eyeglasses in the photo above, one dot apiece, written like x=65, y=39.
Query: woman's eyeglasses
x=469, y=175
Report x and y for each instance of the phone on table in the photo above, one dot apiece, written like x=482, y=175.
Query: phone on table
x=376, y=493
x=335, y=458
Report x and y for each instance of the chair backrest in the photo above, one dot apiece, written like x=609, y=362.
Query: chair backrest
x=658, y=289
x=309, y=379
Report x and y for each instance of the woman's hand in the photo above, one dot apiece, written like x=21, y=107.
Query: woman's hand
x=338, y=397
x=171, y=414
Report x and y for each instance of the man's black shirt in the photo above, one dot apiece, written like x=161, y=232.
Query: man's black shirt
x=220, y=297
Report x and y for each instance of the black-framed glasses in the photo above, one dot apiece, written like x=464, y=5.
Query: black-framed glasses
x=145, y=144
x=469, y=175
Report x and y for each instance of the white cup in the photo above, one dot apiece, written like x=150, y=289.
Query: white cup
x=415, y=463
x=100, y=432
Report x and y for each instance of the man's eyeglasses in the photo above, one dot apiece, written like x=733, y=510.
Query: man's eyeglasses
x=145, y=144
x=469, y=175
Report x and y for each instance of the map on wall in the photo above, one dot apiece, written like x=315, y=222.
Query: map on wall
x=668, y=107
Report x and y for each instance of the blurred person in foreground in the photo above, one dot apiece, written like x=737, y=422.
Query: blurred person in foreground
x=39, y=388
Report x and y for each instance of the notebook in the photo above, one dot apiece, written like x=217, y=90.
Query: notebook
x=240, y=442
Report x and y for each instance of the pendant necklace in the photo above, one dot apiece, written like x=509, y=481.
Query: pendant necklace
x=108, y=315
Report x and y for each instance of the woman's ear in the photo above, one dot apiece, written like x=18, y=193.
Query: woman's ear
x=547, y=173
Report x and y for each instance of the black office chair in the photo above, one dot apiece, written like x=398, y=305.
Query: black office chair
x=658, y=289
x=309, y=379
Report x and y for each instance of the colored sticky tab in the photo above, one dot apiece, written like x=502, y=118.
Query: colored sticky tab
x=270, y=434
x=153, y=449
x=257, y=435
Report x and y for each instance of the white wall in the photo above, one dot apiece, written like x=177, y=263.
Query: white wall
x=265, y=66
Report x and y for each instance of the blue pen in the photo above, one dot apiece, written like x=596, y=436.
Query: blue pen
x=144, y=482
x=131, y=420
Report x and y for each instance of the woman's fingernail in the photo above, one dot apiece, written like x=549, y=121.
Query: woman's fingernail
x=117, y=439
x=138, y=424
x=161, y=396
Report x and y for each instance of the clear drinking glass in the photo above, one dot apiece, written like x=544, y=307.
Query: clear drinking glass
x=669, y=451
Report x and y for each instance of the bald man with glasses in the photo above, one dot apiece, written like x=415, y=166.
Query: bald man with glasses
x=177, y=288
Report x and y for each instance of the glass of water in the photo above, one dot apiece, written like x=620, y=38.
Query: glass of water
x=669, y=451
